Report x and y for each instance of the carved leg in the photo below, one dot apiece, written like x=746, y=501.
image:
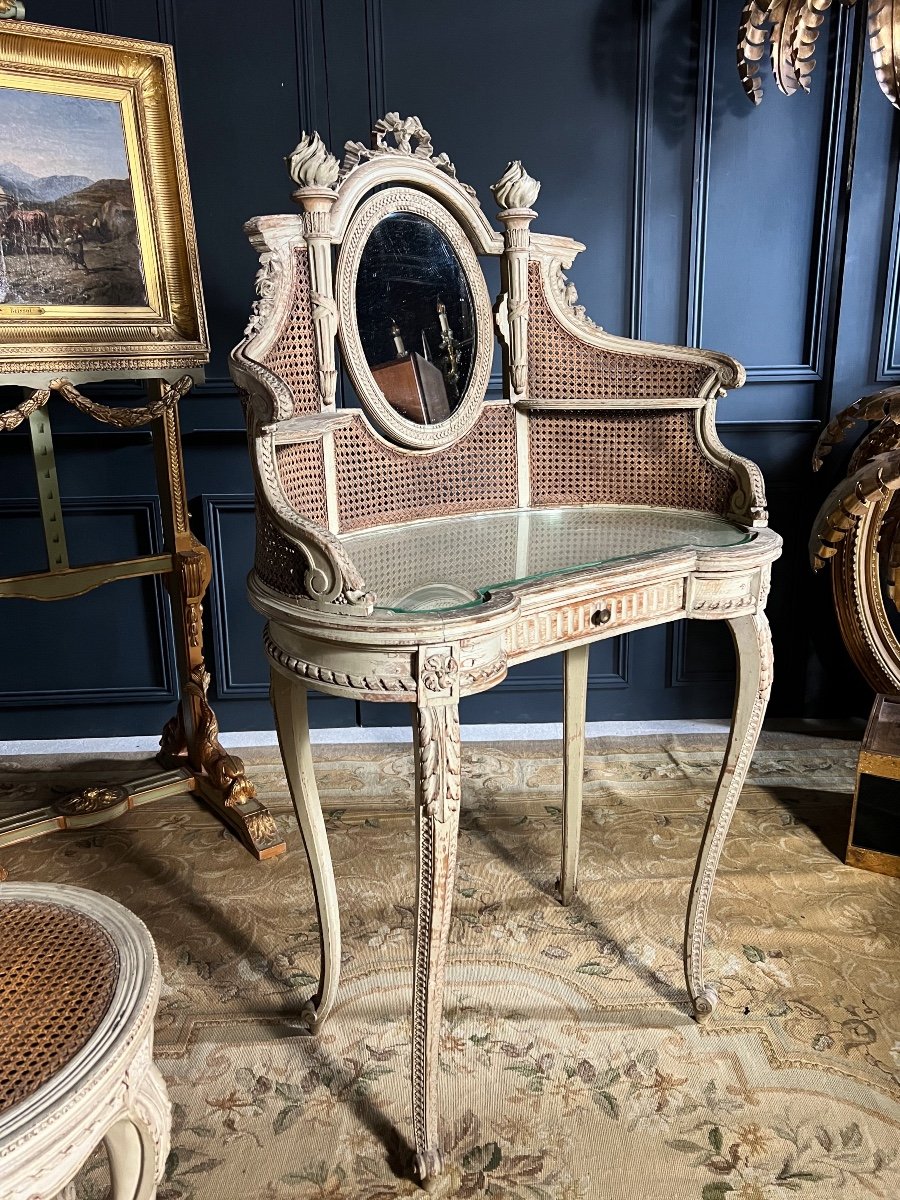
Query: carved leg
x=436, y=741
x=575, y=676
x=138, y=1144
x=292, y=722
x=753, y=644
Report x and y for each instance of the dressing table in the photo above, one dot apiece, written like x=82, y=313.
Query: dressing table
x=403, y=558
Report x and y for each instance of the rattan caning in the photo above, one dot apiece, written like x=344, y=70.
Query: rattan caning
x=378, y=485
x=640, y=457
x=278, y=563
x=293, y=354
x=561, y=366
x=301, y=470
x=58, y=972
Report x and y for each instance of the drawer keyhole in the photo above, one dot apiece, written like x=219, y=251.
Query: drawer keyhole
x=602, y=616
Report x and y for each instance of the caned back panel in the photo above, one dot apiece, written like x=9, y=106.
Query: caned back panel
x=301, y=469
x=562, y=367
x=59, y=974
x=278, y=562
x=378, y=485
x=648, y=456
x=293, y=354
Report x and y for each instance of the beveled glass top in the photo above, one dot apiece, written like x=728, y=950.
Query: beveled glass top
x=454, y=562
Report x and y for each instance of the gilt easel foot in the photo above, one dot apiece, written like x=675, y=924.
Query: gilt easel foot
x=703, y=1005
x=220, y=779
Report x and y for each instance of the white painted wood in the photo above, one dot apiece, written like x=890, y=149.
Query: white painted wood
x=575, y=678
x=436, y=743
x=292, y=722
x=753, y=643
x=108, y=1087
x=332, y=635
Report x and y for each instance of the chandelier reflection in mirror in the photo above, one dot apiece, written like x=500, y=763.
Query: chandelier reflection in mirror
x=416, y=318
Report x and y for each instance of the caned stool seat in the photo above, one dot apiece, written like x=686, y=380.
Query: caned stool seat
x=79, y=986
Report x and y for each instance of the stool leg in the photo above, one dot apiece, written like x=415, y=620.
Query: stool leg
x=436, y=742
x=138, y=1144
x=575, y=677
x=753, y=643
x=292, y=722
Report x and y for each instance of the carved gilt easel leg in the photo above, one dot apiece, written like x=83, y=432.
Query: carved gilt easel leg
x=436, y=742
x=192, y=736
x=289, y=698
x=575, y=677
x=753, y=643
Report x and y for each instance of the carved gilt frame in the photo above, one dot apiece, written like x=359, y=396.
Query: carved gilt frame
x=167, y=335
x=374, y=209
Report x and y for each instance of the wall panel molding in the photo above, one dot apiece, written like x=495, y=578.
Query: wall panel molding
x=825, y=221
x=888, y=349
x=643, y=124
x=378, y=104
x=147, y=510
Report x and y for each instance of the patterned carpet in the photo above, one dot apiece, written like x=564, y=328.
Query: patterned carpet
x=570, y=1069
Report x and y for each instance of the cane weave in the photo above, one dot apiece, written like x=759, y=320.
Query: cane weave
x=561, y=366
x=378, y=485
x=279, y=564
x=58, y=972
x=293, y=354
x=642, y=457
x=301, y=469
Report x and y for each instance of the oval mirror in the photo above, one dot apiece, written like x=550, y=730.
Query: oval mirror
x=415, y=317
x=416, y=321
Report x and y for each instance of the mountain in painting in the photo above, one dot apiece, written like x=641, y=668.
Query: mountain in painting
x=25, y=186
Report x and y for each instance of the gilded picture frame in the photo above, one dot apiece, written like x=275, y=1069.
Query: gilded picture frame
x=99, y=271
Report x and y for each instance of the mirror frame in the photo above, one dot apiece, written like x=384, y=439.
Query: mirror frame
x=400, y=429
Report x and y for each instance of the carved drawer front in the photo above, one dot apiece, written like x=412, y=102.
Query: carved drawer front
x=587, y=618
x=712, y=597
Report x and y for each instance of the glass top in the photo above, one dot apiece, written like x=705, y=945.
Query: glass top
x=454, y=562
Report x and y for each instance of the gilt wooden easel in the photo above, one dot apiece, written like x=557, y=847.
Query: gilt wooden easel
x=190, y=752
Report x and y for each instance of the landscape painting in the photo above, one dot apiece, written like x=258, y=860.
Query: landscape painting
x=68, y=233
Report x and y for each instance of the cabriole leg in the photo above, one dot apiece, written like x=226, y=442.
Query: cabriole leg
x=292, y=722
x=436, y=742
x=753, y=644
x=575, y=677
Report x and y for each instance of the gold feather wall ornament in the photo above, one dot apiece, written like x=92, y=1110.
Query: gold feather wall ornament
x=884, y=42
x=791, y=29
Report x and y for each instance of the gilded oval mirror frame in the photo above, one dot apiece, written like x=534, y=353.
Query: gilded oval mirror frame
x=475, y=360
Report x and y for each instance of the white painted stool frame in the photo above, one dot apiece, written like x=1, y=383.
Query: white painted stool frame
x=325, y=627
x=109, y=1091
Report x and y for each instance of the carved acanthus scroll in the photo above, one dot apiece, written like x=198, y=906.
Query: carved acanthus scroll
x=267, y=280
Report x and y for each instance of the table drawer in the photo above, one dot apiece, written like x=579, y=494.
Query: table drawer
x=575, y=621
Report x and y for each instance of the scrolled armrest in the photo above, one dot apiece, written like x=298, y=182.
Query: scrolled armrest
x=328, y=575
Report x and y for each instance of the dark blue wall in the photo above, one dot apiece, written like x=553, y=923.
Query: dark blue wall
x=764, y=233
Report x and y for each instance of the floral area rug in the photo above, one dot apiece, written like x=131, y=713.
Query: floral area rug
x=570, y=1069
